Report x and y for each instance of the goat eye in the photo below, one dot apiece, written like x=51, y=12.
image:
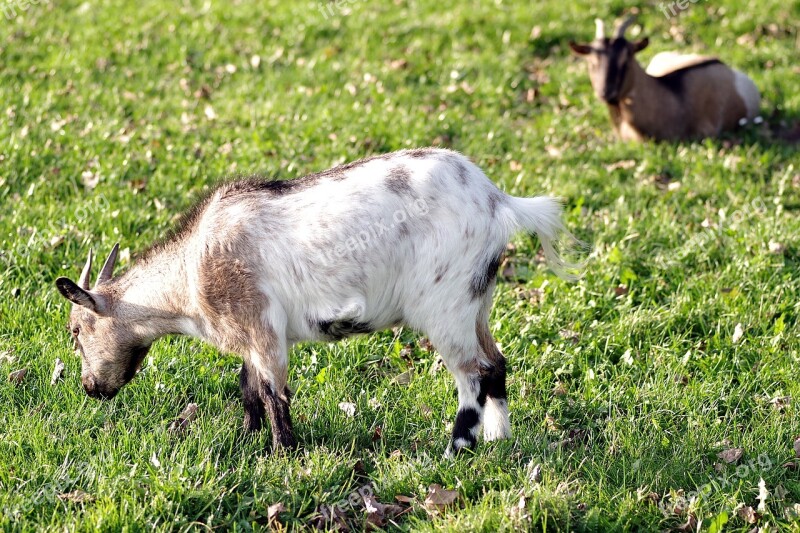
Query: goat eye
x=76, y=330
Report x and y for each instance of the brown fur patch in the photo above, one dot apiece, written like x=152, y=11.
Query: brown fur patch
x=486, y=342
x=230, y=297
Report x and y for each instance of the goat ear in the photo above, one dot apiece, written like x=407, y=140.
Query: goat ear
x=580, y=49
x=72, y=292
x=638, y=46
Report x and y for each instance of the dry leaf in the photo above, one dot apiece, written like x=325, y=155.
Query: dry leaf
x=623, y=165
x=560, y=389
x=776, y=248
x=348, y=408
x=439, y=498
x=58, y=370
x=781, y=402
x=738, y=332
x=731, y=455
x=255, y=61
x=274, y=510
x=188, y=414
x=763, y=494
x=76, y=496
x=792, y=512
x=569, y=335
x=748, y=514
x=209, y=112
x=90, y=179
x=18, y=376
x=690, y=525
x=797, y=447
x=404, y=378
x=404, y=499
x=6, y=357
x=377, y=512
x=536, y=474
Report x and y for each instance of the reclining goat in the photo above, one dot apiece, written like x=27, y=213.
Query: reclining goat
x=678, y=97
x=413, y=237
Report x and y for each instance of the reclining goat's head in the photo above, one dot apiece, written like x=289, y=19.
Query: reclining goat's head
x=609, y=61
x=111, y=346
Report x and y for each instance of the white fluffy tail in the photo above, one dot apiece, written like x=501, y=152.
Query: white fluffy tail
x=542, y=215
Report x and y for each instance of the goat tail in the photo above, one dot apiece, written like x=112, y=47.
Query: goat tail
x=542, y=215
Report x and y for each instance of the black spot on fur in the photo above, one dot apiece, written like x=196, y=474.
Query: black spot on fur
x=441, y=270
x=398, y=181
x=484, y=275
x=344, y=328
x=403, y=229
x=461, y=172
x=419, y=153
x=466, y=421
x=493, y=201
x=674, y=81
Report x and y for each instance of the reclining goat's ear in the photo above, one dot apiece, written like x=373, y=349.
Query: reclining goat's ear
x=75, y=294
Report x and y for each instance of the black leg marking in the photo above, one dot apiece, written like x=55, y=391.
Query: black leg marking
x=493, y=382
x=467, y=420
x=278, y=410
x=253, y=406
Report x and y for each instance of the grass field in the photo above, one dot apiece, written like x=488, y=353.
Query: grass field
x=624, y=386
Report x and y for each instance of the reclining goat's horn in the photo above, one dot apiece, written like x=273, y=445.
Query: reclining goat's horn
x=600, y=30
x=623, y=27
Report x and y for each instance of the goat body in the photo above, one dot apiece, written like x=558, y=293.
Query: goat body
x=679, y=96
x=413, y=238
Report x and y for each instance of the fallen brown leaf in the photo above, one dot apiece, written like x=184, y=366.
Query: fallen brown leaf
x=731, y=455
x=797, y=447
x=274, y=510
x=348, y=408
x=439, y=499
x=18, y=376
x=378, y=513
x=188, y=414
x=625, y=164
x=58, y=370
x=781, y=402
x=76, y=496
x=404, y=499
x=689, y=525
x=748, y=514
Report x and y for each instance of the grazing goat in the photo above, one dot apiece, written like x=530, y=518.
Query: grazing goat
x=678, y=97
x=413, y=237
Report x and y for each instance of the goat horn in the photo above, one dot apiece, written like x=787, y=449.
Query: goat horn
x=600, y=30
x=108, y=267
x=86, y=274
x=624, y=26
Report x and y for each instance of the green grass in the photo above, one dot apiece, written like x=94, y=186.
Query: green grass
x=118, y=92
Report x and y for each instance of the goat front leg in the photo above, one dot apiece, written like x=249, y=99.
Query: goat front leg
x=254, y=411
x=264, y=376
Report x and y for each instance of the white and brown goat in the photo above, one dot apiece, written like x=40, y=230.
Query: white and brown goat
x=413, y=237
x=679, y=96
